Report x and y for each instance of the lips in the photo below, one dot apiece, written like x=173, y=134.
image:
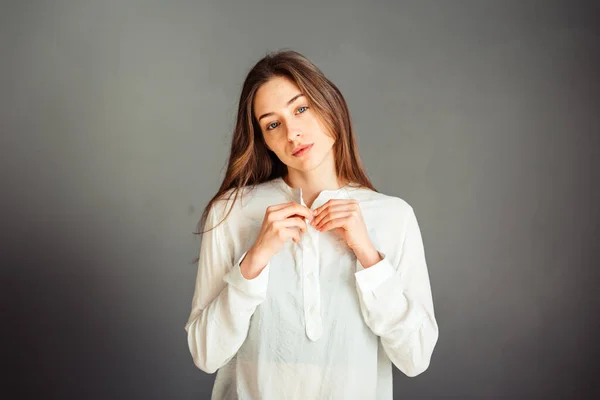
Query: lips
x=301, y=149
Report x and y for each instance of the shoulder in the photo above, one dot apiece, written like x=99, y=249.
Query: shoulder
x=245, y=202
x=382, y=201
x=384, y=214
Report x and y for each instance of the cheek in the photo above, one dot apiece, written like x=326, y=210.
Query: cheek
x=323, y=135
x=275, y=144
x=268, y=143
x=318, y=128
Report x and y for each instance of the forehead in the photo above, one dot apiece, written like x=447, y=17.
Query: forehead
x=274, y=94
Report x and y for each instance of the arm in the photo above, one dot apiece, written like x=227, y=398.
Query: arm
x=397, y=304
x=223, y=300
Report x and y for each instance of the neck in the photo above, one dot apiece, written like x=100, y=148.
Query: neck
x=312, y=183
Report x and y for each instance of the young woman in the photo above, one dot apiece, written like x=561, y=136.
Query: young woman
x=310, y=282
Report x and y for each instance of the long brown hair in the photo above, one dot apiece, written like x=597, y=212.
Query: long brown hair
x=251, y=163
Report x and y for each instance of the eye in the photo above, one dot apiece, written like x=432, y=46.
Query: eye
x=303, y=108
x=270, y=126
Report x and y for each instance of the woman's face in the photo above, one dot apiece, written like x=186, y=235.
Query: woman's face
x=287, y=120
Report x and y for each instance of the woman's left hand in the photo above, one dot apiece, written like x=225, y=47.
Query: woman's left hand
x=345, y=218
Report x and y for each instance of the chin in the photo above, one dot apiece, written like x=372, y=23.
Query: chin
x=306, y=165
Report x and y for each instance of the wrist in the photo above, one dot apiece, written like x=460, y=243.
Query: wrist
x=252, y=264
x=367, y=257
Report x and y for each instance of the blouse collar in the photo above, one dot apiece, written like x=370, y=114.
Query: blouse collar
x=296, y=193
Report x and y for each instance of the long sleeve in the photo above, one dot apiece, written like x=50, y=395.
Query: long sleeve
x=223, y=300
x=396, y=302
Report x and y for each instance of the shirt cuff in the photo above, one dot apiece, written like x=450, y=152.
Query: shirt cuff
x=370, y=278
x=252, y=287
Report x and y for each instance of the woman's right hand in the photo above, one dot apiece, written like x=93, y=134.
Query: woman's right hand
x=277, y=227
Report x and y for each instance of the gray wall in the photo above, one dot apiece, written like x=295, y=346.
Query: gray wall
x=116, y=118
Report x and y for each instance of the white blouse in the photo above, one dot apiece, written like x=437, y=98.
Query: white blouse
x=314, y=324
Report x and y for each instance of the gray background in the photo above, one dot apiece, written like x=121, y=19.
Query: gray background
x=116, y=118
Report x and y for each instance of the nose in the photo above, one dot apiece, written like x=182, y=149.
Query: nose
x=293, y=131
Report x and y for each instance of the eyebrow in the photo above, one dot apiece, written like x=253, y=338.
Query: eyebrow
x=288, y=103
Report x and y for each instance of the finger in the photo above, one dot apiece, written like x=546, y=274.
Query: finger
x=277, y=207
x=289, y=233
x=295, y=208
x=334, y=208
x=293, y=222
x=293, y=234
x=333, y=202
x=297, y=216
x=332, y=216
x=334, y=223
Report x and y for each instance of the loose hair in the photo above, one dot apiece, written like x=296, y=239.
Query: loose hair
x=251, y=162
